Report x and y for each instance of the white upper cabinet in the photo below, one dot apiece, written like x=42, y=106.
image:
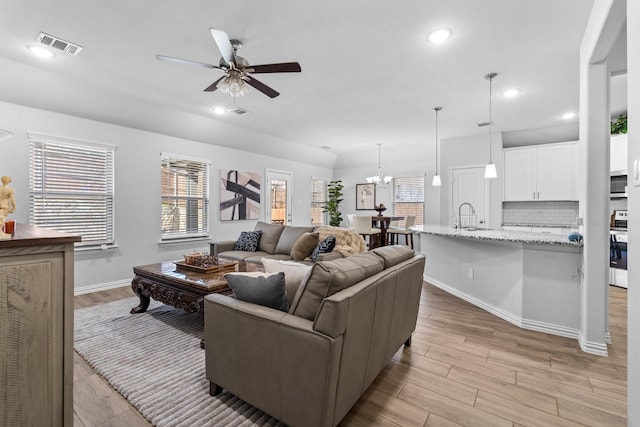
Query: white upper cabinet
x=541, y=172
x=618, y=153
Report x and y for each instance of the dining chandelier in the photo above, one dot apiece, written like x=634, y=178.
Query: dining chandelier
x=437, y=182
x=379, y=179
x=490, y=169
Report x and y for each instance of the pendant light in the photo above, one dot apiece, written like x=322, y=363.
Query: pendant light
x=436, y=178
x=490, y=170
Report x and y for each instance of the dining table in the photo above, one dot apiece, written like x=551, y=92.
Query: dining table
x=383, y=222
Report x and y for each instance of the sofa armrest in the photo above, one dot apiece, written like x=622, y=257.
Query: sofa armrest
x=272, y=360
x=222, y=246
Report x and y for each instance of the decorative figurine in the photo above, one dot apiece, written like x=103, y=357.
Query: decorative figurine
x=7, y=205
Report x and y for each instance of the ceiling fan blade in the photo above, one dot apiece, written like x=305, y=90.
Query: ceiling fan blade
x=185, y=61
x=213, y=86
x=224, y=45
x=284, y=67
x=271, y=93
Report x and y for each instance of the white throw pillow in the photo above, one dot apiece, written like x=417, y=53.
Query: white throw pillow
x=295, y=274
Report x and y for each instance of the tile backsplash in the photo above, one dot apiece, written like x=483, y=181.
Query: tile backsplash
x=562, y=213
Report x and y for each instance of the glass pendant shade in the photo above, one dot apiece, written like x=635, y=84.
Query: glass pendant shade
x=436, y=181
x=490, y=171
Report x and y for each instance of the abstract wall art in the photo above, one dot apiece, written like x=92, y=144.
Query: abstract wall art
x=239, y=195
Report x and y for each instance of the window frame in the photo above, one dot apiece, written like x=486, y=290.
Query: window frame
x=200, y=232
x=43, y=147
x=319, y=204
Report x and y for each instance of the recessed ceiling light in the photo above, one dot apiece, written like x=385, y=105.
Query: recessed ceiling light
x=40, y=52
x=439, y=35
x=510, y=93
x=219, y=110
x=569, y=116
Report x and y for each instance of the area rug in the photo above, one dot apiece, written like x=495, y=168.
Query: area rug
x=154, y=360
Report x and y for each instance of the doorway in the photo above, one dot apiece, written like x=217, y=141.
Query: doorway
x=279, y=197
x=469, y=185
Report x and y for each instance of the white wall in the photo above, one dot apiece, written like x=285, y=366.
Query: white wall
x=633, y=294
x=137, y=190
x=471, y=151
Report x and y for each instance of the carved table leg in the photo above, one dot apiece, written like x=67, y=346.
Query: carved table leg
x=144, y=300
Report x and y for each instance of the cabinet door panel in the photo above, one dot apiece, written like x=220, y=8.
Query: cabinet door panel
x=519, y=174
x=554, y=172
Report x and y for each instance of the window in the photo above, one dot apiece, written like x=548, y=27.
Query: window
x=185, y=197
x=408, y=197
x=71, y=187
x=318, y=200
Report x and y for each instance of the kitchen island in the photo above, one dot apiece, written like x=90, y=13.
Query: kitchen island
x=530, y=279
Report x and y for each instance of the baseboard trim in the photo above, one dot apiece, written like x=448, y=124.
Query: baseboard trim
x=97, y=287
x=534, y=325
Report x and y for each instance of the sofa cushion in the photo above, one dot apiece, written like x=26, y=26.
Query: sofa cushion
x=393, y=255
x=267, y=289
x=323, y=247
x=242, y=255
x=248, y=241
x=295, y=274
x=289, y=237
x=303, y=247
x=258, y=256
x=270, y=235
x=329, y=277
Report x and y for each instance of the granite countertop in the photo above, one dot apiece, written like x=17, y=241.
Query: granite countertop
x=529, y=237
x=542, y=225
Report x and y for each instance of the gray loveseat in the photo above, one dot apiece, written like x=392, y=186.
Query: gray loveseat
x=309, y=366
x=275, y=242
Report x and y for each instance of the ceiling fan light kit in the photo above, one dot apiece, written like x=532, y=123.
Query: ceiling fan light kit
x=238, y=79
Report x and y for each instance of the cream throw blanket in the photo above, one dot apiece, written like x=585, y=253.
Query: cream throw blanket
x=348, y=242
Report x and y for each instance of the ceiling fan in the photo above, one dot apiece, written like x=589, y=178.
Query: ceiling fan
x=238, y=72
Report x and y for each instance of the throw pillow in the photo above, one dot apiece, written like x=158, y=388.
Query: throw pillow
x=305, y=244
x=295, y=274
x=267, y=289
x=323, y=247
x=248, y=241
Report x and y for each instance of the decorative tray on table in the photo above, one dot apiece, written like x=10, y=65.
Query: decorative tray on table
x=205, y=264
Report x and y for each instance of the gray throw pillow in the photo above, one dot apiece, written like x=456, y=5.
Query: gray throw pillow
x=267, y=289
x=323, y=247
x=248, y=241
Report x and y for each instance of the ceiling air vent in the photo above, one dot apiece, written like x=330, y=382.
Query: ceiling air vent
x=484, y=124
x=65, y=46
x=238, y=111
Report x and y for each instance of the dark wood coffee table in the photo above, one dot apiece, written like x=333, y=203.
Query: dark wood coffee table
x=176, y=286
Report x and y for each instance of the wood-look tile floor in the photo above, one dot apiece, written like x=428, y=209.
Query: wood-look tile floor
x=465, y=367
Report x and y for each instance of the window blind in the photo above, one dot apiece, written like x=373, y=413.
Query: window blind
x=318, y=200
x=71, y=188
x=185, y=197
x=408, y=198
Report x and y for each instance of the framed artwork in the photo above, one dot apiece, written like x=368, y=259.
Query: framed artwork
x=365, y=197
x=239, y=195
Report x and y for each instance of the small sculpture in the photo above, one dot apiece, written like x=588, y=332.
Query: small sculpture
x=7, y=204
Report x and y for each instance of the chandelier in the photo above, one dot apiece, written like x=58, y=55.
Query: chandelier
x=379, y=179
x=233, y=84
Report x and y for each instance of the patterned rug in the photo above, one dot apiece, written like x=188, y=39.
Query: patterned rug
x=155, y=361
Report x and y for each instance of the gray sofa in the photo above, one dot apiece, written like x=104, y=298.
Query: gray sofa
x=309, y=366
x=276, y=242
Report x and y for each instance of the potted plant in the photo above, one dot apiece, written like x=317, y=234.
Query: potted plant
x=334, y=190
x=620, y=125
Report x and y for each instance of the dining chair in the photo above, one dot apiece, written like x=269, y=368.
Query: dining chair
x=394, y=232
x=362, y=225
x=350, y=220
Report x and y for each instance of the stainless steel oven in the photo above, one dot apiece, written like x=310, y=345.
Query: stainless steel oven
x=618, y=186
x=618, y=240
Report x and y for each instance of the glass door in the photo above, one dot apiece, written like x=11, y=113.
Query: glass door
x=279, y=197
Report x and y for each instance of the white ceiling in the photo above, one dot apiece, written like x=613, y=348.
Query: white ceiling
x=368, y=73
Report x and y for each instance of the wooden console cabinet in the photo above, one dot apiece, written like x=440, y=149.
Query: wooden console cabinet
x=36, y=328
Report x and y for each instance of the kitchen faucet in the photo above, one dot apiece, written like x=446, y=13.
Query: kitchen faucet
x=473, y=212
